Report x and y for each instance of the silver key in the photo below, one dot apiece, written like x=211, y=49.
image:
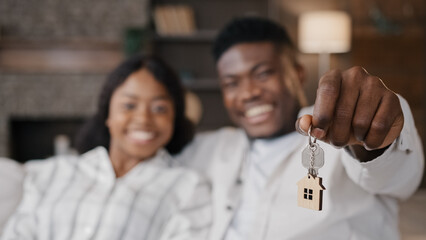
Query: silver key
x=313, y=158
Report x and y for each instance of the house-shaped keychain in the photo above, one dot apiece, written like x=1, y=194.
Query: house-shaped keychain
x=309, y=193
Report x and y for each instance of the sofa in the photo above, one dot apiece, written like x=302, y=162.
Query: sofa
x=11, y=178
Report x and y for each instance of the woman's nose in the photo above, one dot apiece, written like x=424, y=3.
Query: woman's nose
x=142, y=114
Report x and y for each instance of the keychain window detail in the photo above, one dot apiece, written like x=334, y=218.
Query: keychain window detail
x=308, y=194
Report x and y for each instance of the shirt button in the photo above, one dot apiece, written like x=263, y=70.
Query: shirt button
x=239, y=181
x=229, y=208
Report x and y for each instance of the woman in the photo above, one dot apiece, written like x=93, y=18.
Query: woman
x=126, y=186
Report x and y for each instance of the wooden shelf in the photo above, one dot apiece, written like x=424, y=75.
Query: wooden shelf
x=76, y=44
x=82, y=56
x=202, y=84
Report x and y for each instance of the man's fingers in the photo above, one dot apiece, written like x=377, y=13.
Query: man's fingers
x=340, y=131
x=386, y=124
x=325, y=103
x=354, y=108
x=303, y=124
x=368, y=103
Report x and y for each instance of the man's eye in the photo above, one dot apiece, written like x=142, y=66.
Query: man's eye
x=229, y=84
x=264, y=74
x=129, y=106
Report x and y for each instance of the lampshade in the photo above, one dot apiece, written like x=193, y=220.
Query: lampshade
x=324, y=32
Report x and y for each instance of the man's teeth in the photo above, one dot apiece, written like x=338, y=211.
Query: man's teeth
x=141, y=135
x=255, y=111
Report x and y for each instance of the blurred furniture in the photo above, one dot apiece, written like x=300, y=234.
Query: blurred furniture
x=11, y=179
x=174, y=20
x=413, y=217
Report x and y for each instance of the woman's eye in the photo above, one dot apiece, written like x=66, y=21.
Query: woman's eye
x=159, y=109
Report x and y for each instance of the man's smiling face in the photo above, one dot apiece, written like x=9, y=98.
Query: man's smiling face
x=254, y=91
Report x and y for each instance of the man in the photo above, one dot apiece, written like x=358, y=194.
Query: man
x=373, y=155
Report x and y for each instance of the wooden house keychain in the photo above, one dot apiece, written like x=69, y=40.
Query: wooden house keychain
x=309, y=193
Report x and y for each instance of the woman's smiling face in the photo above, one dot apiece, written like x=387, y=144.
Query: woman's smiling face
x=141, y=116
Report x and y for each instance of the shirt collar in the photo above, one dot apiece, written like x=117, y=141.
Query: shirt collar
x=268, y=153
x=161, y=159
x=99, y=159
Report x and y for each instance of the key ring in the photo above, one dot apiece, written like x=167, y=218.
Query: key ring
x=311, y=143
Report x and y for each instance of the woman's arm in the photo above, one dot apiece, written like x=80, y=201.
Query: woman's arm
x=193, y=218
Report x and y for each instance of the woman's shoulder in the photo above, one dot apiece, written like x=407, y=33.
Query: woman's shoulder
x=62, y=162
x=40, y=173
x=48, y=164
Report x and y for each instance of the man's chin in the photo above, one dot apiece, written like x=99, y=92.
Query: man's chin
x=264, y=133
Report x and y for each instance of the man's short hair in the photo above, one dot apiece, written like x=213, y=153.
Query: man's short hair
x=250, y=29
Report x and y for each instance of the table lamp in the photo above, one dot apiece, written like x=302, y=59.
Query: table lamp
x=324, y=32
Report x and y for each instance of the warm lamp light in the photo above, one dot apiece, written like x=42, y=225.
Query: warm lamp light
x=324, y=32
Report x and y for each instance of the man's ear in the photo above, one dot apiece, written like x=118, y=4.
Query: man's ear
x=300, y=71
x=294, y=78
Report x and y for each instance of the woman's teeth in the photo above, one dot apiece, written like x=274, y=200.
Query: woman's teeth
x=141, y=135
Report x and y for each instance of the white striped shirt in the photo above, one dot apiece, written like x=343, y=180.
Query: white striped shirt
x=81, y=198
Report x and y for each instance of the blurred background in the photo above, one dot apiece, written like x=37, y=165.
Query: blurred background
x=54, y=56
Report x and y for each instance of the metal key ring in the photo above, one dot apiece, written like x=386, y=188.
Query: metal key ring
x=311, y=143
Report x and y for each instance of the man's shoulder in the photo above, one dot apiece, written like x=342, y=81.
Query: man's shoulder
x=217, y=139
x=206, y=145
x=224, y=134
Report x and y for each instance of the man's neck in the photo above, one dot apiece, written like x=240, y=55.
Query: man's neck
x=276, y=135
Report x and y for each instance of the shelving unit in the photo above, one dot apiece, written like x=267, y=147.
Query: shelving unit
x=200, y=36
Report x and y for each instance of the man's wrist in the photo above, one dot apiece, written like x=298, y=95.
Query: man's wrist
x=364, y=155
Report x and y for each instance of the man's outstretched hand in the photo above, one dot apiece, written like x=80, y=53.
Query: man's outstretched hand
x=354, y=109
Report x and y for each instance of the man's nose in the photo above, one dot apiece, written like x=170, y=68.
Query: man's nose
x=250, y=89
